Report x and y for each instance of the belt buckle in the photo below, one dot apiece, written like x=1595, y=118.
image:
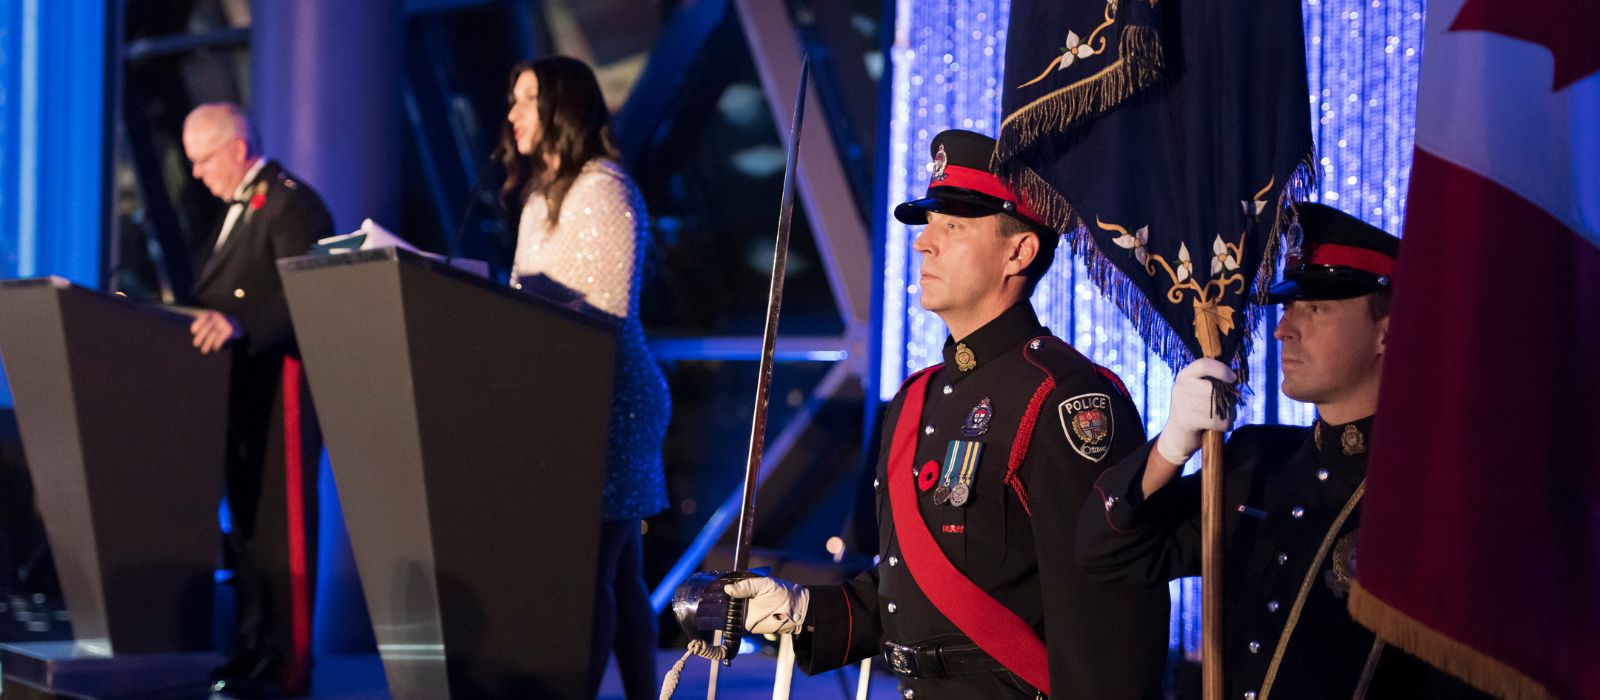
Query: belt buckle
x=902, y=660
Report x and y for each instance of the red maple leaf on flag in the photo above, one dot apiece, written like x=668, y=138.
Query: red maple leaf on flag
x=1558, y=25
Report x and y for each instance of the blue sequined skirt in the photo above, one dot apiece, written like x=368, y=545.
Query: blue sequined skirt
x=636, y=485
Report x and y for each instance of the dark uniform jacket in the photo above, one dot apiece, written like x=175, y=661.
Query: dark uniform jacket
x=1103, y=641
x=268, y=436
x=1291, y=508
x=241, y=279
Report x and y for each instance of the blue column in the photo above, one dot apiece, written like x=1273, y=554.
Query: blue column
x=326, y=96
x=52, y=140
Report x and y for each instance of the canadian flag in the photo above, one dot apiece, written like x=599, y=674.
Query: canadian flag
x=1480, y=542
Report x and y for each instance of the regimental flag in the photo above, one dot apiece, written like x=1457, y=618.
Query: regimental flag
x=1480, y=535
x=1164, y=138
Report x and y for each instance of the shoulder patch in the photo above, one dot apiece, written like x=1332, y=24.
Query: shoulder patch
x=1087, y=421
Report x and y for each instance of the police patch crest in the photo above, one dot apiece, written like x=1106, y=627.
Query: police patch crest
x=978, y=419
x=1086, y=421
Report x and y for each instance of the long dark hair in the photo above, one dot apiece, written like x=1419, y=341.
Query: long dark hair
x=575, y=125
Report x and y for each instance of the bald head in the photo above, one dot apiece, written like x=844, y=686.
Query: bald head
x=218, y=141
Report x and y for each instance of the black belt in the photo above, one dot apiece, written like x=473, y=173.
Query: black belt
x=940, y=659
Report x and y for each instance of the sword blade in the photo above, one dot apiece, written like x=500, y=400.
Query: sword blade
x=734, y=626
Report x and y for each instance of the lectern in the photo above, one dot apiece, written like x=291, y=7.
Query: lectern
x=122, y=424
x=466, y=425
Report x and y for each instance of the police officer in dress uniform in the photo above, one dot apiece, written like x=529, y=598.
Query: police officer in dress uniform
x=985, y=462
x=274, y=447
x=1292, y=495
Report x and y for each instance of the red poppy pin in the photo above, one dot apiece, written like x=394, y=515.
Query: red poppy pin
x=259, y=199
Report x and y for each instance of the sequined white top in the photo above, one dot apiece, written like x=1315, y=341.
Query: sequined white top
x=597, y=249
x=593, y=249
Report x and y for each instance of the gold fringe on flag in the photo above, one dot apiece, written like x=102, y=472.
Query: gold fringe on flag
x=1156, y=332
x=1138, y=65
x=1440, y=650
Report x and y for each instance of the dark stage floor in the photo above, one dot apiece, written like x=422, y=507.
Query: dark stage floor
x=751, y=677
x=360, y=677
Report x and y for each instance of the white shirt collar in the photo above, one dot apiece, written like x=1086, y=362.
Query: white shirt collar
x=250, y=177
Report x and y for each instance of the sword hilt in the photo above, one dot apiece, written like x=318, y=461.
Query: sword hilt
x=732, y=630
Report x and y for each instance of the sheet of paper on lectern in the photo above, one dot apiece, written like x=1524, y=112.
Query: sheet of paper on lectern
x=373, y=236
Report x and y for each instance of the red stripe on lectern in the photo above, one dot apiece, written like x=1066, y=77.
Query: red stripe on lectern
x=294, y=477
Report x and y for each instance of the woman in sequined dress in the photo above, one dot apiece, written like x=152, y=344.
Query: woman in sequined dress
x=582, y=230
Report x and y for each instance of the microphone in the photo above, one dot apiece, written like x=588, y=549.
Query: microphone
x=472, y=199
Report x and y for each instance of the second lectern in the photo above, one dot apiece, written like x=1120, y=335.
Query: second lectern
x=466, y=424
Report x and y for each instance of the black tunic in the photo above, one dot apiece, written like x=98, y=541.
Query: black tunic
x=1102, y=640
x=1291, y=509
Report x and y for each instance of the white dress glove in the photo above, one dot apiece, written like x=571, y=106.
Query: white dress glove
x=1191, y=411
x=773, y=606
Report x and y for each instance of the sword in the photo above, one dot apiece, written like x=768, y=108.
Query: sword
x=733, y=627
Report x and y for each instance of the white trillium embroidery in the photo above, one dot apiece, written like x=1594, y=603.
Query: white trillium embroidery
x=1185, y=266
x=1136, y=242
x=1074, y=50
x=1222, y=257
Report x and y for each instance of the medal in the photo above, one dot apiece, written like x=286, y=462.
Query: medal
x=960, y=465
x=960, y=494
x=941, y=494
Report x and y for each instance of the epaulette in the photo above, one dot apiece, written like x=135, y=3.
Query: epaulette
x=1060, y=360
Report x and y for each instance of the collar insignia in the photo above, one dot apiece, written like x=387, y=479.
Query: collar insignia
x=965, y=360
x=1352, y=441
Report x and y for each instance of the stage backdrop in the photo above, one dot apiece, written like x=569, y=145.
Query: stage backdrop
x=1363, y=58
x=52, y=133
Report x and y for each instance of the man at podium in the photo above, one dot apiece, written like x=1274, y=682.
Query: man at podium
x=274, y=446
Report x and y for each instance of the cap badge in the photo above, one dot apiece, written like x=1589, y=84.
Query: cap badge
x=1295, y=240
x=940, y=160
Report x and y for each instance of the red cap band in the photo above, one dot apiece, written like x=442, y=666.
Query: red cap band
x=1350, y=256
x=986, y=183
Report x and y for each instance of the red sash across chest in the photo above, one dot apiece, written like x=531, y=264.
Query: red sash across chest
x=992, y=626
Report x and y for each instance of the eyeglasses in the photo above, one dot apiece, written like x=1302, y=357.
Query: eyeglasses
x=203, y=160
